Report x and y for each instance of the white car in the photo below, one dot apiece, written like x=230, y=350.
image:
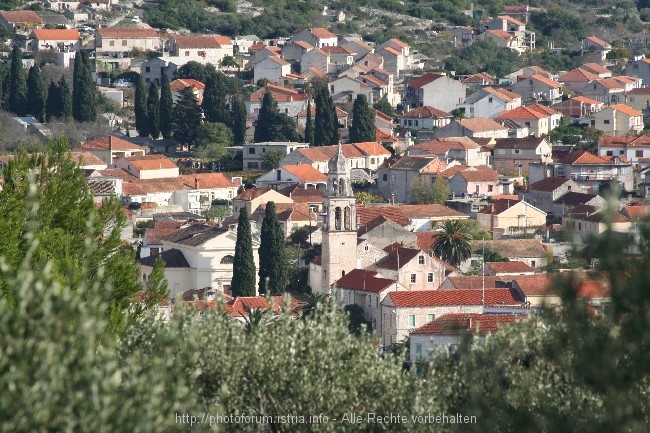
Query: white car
x=85, y=28
x=135, y=19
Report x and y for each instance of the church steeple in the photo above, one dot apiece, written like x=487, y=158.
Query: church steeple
x=338, y=174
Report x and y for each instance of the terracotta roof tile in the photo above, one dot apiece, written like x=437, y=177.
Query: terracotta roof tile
x=583, y=157
x=181, y=83
x=365, y=214
x=207, y=180
x=430, y=211
x=86, y=158
x=598, y=41
x=533, y=285
x=371, y=148
x=501, y=34
x=398, y=258
x=473, y=282
x=251, y=194
x=114, y=32
x=549, y=184
x=547, y=81
x=426, y=112
x=521, y=113
x=479, y=174
x=511, y=20
x=364, y=281
x=305, y=173
x=508, y=267
x=455, y=324
x=196, y=41
x=578, y=75
x=109, y=141
x=424, y=79
x=626, y=109
x=439, y=298
x=624, y=141
x=481, y=124
x=398, y=43
x=240, y=306
x=57, y=34
x=151, y=162
x=21, y=17
x=321, y=33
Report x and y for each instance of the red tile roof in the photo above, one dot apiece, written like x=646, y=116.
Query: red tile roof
x=197, y=41
x=280, y=93
x=57, y=34
x=114, y=32
x=591, y=289
x=430, y=211
x=398, y=258
x=533, y=285
x=425, y=240
x=150, y=162
x=306, y=173
x=21, y=17
x=521, y=113
x=547, y=81
x=371, y=148
x=424, y=79
x=109, y=141
x=426, y=112
x=481, y=124
x=626, y=109
x=583, y=157
x=365, y=214
x=364, y=281
x=207, y=180
x=150, y=186
x=479, y=174
x=511, y=20
x=549, y=184
x=578, y=75
x=181, y=83
x=508, y=267
x=454, y=324
x=473, y=282
x=598, y=41
x=251, y=194
x=321, y=33
x=240, y=306
x=442, y=298
x=398, y=43
x=624, y=141
x=501, y=34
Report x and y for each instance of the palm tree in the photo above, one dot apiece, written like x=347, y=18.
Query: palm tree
x=253, y=319
x=451, y=243
x=313, y=301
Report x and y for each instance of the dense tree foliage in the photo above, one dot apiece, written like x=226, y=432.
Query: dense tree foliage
x=187, y=116
x=215, y=104
x=326, y=124
x=84, y=92
x=272, y=125
x=141, y=115
x=166, y=107
x=238, y=119
x=153, y=110
x=65, y=99
x=17, y=83
x=363, y=121
x=213, y=141
x=52, y=104
x=274, y=265
x=36, y=96
x=243, y=269
x=424, y=191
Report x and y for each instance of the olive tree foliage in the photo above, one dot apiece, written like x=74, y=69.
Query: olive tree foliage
x=60, y=368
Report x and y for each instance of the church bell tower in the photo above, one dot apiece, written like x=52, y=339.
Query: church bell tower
x=339, y=253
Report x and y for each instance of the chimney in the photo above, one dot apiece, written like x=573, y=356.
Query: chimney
x=196, y=182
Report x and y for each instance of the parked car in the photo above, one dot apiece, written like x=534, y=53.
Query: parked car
x=135, y=19
x=85, y=28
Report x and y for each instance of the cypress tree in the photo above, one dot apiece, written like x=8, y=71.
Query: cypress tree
x=17, y=83
x=238, y=116
x=265, y=119
x=309, y=126
x=35, y=94
x=141, y=117
x=153, y=110
x=243, y=268
x=166, y=107
x=363, y=121
x=187, y=118
x=326, y=122
x=84, y=93
x=65, y=99
x=214, y=99
x=52, y=105
x=274, y=272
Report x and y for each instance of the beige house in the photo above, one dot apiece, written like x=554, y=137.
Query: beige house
x=474, y=181
x=197, y=257
x=109, y=148
x=62, y=40
x=505, y=218
x=110, y=41
x=21, y=22
x=148, y=166
x=413, y=268
x=202, y=48
x=588, y=221
x=618, y=119
x=537, y=88
x=528, y=251
x=476, y=127
x=253, y=198
x=639, y=99
x=536, y=290
x=402, y=312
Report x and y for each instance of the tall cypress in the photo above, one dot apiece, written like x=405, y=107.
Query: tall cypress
x=265, y=119
x=84, y=93
x=326, y=122
x=52, y=105
x=243, y=268
x=309, y=126
x=141, y=117
x=153, y=110
x=17, y=83
x=35, y=94
x=363, y=121
x=274, y=271
x=238, y=119
x=166, y=107
x=65, y=99
x=214, y=99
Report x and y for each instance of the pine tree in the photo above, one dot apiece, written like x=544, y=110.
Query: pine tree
x=243, y=269
x=35, y=94
x=238, y=119
x=17, y=83
x=153, y=110
x=214, y=99
x=265, y=119
x=52, y=106
x=166, y=107
x=187, y=118
x=309, y=126
x=326, y=122
x=84, y=93
x=363, y=121
x=65, y=99
x=141, y=117
x=274, y=271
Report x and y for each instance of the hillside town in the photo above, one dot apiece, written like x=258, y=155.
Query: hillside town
x=439, y=154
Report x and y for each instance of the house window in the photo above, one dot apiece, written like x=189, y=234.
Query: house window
x=418, y=350
x=431, y=317
x=477, y=189
x=372, y=160
x=124, y=43
x=516, y=151
x=489, y=99
x=412, y=320
x=251, y=151
x=111, y=43
x=560, y=170
x=147, y=69
x=385, y=177
x=532, y=263
x=635, y=66
x=366, y=248
x=606, y=121
x=253, y=165
x=187, y=53
x=490, y=188
x=413, y=278
x=609, y=153
x=153, y=252
x=430, y=277
x=227, y=260
x=638, y=154
x=579, y=226
x=421, y=260
x=593, y=123
x=501, y=151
